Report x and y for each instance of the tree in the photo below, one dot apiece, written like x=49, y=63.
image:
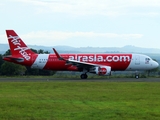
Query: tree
x=40, y=51
x=8, y=52
x=20, y=70
x=34, y=50
x=9, y=68
x=1, y=59
x=46, y=52
x=1, y=62
x=31, y=71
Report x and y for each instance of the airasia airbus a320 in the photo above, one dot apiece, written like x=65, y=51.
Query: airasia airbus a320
x=100, y=64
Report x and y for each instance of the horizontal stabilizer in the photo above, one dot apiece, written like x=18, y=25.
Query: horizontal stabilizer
x=13, y=58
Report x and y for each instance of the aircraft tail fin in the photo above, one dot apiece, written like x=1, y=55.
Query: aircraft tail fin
x=17, y=46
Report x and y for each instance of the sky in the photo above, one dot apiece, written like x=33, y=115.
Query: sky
x=83, y=23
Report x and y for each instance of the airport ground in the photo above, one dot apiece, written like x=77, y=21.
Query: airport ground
x=40, y=79
x=70, y=99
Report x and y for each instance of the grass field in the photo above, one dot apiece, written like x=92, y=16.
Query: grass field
x=80, y=100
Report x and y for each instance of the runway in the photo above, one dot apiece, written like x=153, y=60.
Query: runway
x=49, y=79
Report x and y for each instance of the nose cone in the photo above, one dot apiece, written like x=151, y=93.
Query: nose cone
x=155, y=65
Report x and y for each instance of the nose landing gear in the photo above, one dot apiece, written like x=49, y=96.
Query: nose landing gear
x=136, y=75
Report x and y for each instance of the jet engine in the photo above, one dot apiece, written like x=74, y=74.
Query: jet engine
x=103, y=70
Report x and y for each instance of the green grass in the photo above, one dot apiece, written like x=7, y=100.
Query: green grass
x=79, y=100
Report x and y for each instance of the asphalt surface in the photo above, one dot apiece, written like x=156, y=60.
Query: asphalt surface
x=45, y=79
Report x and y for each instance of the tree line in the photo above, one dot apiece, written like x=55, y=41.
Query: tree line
x=12, y=69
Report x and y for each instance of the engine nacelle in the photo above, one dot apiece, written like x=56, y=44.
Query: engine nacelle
x=103, y=70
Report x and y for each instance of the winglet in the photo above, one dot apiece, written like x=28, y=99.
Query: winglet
x=57, y=54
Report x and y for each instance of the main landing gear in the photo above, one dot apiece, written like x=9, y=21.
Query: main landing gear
x=84, y=76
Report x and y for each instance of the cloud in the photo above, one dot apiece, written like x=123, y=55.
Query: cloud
x=150, y=14
x=3, y=39
x=58, y=35
x=52, y=38
x=64, y=36
x=91, y=7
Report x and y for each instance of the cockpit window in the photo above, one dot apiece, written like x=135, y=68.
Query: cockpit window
x=148, y=59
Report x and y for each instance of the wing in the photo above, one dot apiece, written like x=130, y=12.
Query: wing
x=81, y=64
x=76, y=63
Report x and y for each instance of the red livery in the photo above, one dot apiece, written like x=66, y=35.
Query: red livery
x=100, y=64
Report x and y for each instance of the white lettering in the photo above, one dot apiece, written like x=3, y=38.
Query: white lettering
x=99, y=58
x=14, y=40
x=115, y=58
x=124, y=58
x=95, y=59
x=109, y=58
x=79, y=58
x=71, y=57
x=84, y=58
x=91, y=58
x=22, y=50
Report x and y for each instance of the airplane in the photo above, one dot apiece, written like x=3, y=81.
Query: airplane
x=100, y=64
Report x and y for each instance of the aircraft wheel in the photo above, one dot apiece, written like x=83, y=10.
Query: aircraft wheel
x=84, y=76
x=136, y=76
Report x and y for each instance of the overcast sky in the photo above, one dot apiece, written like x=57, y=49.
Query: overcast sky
x=82, y=23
